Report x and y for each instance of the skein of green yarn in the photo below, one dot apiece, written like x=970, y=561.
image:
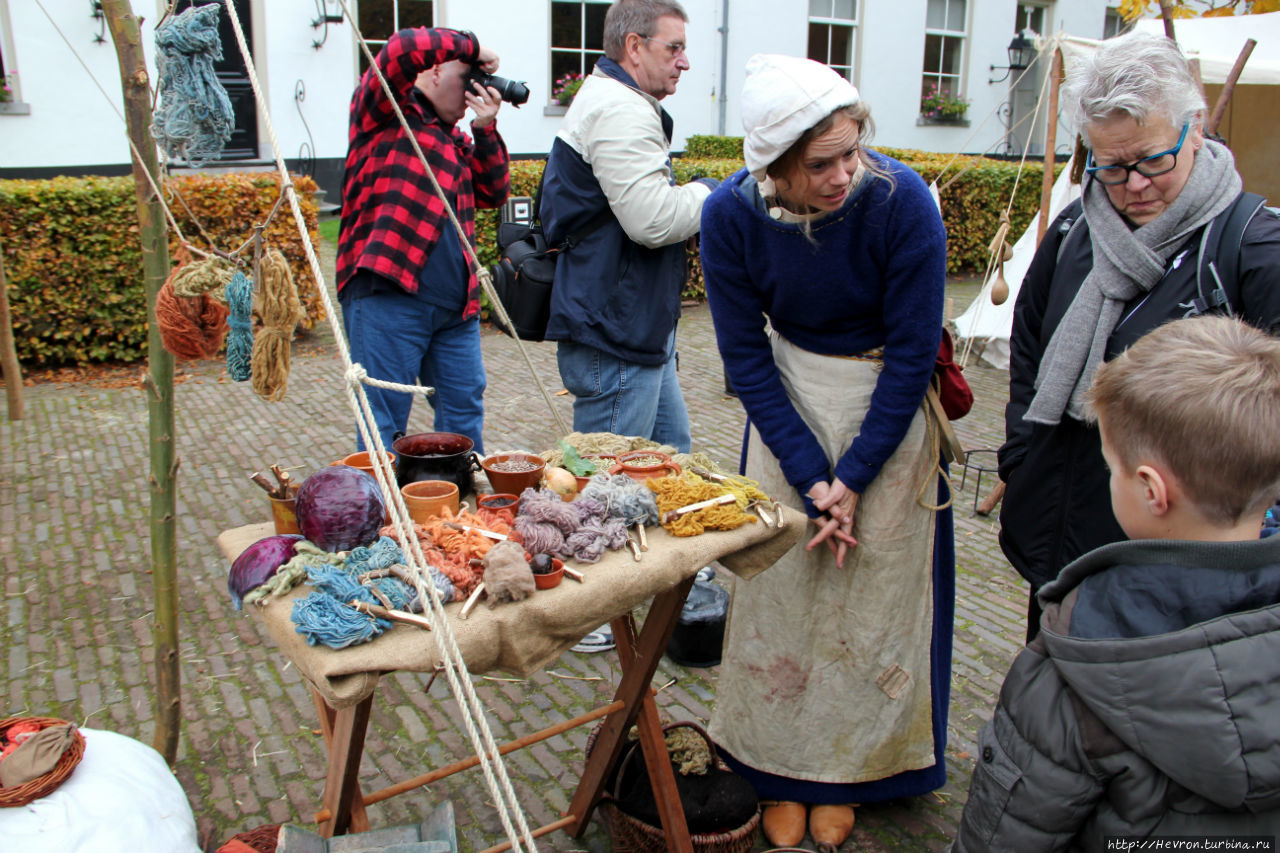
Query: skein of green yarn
x=240, y=322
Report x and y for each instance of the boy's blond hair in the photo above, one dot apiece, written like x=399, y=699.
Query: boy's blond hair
x=1202, y=397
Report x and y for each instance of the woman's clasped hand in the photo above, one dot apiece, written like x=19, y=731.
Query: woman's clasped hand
x=835, y=526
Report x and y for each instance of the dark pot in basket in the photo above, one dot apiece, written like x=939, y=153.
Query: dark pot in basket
x=436, y=456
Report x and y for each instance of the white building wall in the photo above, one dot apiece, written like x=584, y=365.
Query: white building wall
x=70, y=123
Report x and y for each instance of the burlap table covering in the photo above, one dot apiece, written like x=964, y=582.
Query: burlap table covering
x=520, y=637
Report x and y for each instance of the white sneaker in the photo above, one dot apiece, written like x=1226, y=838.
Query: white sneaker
x=599, y=640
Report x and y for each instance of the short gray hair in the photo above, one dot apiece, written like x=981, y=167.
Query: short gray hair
x=635, y=16
x=1137, y=75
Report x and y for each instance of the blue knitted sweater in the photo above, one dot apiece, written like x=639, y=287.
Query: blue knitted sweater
x=875, y=278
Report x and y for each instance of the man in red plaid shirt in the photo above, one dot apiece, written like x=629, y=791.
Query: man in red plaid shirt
x=410, y=301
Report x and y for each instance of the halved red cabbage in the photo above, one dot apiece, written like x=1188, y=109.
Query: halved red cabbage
x=257, y=563
x=340, y=508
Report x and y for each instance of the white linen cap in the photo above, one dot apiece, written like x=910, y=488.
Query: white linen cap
x=782, y=98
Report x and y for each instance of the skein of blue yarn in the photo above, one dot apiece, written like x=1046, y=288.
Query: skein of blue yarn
x=240, y=322
x=194, y=119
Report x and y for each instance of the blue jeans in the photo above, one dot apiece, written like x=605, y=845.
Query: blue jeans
x=400, y=338
x=622, y=397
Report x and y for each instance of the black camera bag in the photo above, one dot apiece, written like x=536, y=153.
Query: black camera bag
x=526, y=270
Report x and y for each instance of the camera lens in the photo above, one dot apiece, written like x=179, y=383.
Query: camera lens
x=511, y=91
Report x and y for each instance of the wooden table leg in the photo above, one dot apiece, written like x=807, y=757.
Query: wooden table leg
x=639, y=656
x=344, y=732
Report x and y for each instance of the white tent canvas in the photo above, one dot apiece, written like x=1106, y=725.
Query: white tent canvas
x=1216, y=42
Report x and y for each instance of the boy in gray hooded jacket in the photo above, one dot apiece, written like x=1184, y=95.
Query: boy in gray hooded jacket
x=1149, y=705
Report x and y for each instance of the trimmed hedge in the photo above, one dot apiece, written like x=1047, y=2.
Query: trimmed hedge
x=971, y=204
x=73, y=261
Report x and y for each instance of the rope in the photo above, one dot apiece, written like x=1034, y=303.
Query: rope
x=995, y=257
x=240, y=341
x=280, y=312
x=482, y=275
x=195, y=119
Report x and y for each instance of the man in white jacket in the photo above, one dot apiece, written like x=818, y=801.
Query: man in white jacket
x=617, y=293
x=608, y=178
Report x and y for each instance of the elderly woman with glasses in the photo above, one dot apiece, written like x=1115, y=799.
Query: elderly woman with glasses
x=1111, y=269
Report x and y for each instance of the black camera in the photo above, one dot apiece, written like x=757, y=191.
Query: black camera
x=511, y=91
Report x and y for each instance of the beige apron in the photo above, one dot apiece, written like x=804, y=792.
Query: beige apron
x=825, y=675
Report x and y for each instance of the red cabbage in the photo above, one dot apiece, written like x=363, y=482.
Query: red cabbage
x=257, y=563
x=340, y=508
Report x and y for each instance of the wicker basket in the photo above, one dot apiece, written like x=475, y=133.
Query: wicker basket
x=631, y=835
x=20, y=795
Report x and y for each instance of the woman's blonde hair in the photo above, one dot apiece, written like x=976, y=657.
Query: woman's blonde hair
x=1201, y=396
x=787, y=166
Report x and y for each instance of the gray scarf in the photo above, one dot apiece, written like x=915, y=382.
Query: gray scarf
x=1125, y=263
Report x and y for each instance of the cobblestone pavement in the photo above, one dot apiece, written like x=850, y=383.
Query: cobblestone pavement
x=77, y=602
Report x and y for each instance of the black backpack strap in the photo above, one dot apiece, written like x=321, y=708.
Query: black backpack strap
x=1073, y=225
x=1218, y=270
x=574, y=239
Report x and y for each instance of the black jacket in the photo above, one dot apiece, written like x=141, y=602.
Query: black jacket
x=1058, y=504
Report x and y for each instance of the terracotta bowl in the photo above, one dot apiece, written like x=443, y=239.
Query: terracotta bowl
x=499, y=501
x=551, y=578
x=513, y=482
x=645, y=464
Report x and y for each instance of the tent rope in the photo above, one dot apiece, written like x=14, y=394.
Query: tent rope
x=491, y=763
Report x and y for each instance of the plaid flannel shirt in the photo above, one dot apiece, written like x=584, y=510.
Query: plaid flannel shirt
x=391, y=214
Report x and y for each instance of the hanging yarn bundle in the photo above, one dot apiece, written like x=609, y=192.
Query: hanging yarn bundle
x=676, y=492
x=207, y=276
x=239, y=295
x=194, y=119
x=191, y=327
x=280, y=311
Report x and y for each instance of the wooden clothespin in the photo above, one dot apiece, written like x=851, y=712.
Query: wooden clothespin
x=393, y=615
x=644, y=540
x=471, y=602
x=453, y=525
x=672, y=515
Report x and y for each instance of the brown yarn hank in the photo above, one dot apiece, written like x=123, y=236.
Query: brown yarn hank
x=280, y=310
x=191, y=327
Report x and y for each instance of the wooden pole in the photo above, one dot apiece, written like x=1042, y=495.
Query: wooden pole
x=126, y=32
x=1166, y=13
x=8, y=352
x=1050, y=138
x=1224, y=97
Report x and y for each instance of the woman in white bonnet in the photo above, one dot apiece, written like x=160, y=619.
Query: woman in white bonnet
x=825, y=264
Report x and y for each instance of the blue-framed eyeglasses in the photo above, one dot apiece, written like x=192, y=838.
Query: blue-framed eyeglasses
x=675, y=48
x=1148, y=167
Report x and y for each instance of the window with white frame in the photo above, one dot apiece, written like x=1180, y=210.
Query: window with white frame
x=8, y=77
x=944, y=39
x=381, y=19
x=832, y=27
x=577, y=37
x=1114, y=24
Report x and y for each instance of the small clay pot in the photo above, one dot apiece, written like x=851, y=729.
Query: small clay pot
x=513, y=482
x=551, y=578
x=604, y=463
x=364, y=461
x=427, y=499
x=499, y=501
x=645, y=464
x=282, y=514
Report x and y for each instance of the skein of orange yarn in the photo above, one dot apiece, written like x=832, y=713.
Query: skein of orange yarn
x=191, y=327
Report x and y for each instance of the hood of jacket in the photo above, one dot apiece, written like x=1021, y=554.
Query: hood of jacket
x=1175, y=646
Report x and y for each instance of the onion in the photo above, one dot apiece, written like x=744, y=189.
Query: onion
x=257, y=563
x=340, y=508
x=561, y=482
